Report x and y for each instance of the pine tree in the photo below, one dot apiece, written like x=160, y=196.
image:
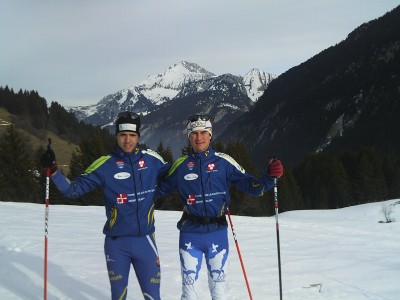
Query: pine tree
x=166, y=153
x=170, y=202
x=391, y=171
x=89, y=150
x=17, y=177
x=218, y=145
x=349, y=162
x=370, y=183
x=323, y=182
x=241, y=203
x=289, y=192
x=185, y=150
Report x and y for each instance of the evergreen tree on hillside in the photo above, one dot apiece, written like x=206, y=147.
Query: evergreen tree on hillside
x=61, y=122
x=37, y=107
x=185, y=150
x=289, y=193
x=5, y=94
x=369, y=182
x=242, y=203
x=349, y=162
x=218, y=145
x=170, y=202
x=17, y=177
x=166, y=153
x=323, y=182
x=29, y=106
x=88, y=152
x=391, y=171
x=238, y=150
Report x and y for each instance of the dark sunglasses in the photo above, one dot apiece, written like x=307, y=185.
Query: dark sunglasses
x=126, y=114
x=195, y=118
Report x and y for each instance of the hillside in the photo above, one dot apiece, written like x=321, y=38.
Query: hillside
x=62, y=148
x=345, y=98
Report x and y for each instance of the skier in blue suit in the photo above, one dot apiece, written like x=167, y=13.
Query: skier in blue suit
x=128, y=177
x=203, y=178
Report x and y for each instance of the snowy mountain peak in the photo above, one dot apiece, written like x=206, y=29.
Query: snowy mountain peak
x=183, y=79
x=176, y=76
x=256, y=82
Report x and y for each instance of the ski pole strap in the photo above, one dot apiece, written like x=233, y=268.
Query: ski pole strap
x=221, y=220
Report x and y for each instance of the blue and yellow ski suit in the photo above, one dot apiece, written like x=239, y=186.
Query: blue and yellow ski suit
x=128, y=182
x=203, y=181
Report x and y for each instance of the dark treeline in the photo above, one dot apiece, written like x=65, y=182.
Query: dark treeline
x=320, y=181
x=20, y=173
x=33, y=115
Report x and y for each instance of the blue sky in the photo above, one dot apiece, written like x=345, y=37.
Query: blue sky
x=76, y=52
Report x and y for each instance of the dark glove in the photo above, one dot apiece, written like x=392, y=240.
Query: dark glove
x=48, y=160
x=275, y=168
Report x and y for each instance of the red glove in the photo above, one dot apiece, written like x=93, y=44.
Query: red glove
x=275, y=168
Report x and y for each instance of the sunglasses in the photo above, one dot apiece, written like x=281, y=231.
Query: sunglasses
x=126, y=114
x=195, y=118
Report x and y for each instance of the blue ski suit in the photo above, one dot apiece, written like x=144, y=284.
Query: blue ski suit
x=203, y=181
x=128, y=182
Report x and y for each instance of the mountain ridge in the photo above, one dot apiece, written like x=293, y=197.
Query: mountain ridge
x=342, y=99
x=168, y=93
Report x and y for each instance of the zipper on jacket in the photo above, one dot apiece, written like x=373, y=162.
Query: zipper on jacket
x=202, y=190
x=136, y=196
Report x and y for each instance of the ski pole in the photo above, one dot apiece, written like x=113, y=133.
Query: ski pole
x=277, y=235
x=46, y=219
x=240, y=255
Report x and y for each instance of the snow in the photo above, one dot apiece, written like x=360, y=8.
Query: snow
x=159, y=95
x=166, y=85
x=176, y=76
x=256, y=82
x=325, y=254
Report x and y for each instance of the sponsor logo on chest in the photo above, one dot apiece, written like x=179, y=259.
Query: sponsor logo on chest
x=190, y=165
x=211, y=167
x=142, y=164
x=122, y=175
x=191, y=176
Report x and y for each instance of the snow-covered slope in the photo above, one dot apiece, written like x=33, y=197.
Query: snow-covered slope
x=256, y=82
x=167, y=84
x=325, y=254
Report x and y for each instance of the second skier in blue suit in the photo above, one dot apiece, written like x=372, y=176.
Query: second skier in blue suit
x=203, y=179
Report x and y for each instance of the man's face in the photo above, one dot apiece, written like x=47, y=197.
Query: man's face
x=200, y=140
x=127, y=140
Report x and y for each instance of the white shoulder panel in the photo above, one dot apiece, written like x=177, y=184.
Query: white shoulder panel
x=231, y=160
x=153, y=153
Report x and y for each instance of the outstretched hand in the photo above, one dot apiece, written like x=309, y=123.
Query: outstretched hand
x=275, y=168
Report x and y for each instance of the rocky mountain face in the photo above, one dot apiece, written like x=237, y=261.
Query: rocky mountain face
x=223, y=97
x=342, y=99
x=166, y=100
